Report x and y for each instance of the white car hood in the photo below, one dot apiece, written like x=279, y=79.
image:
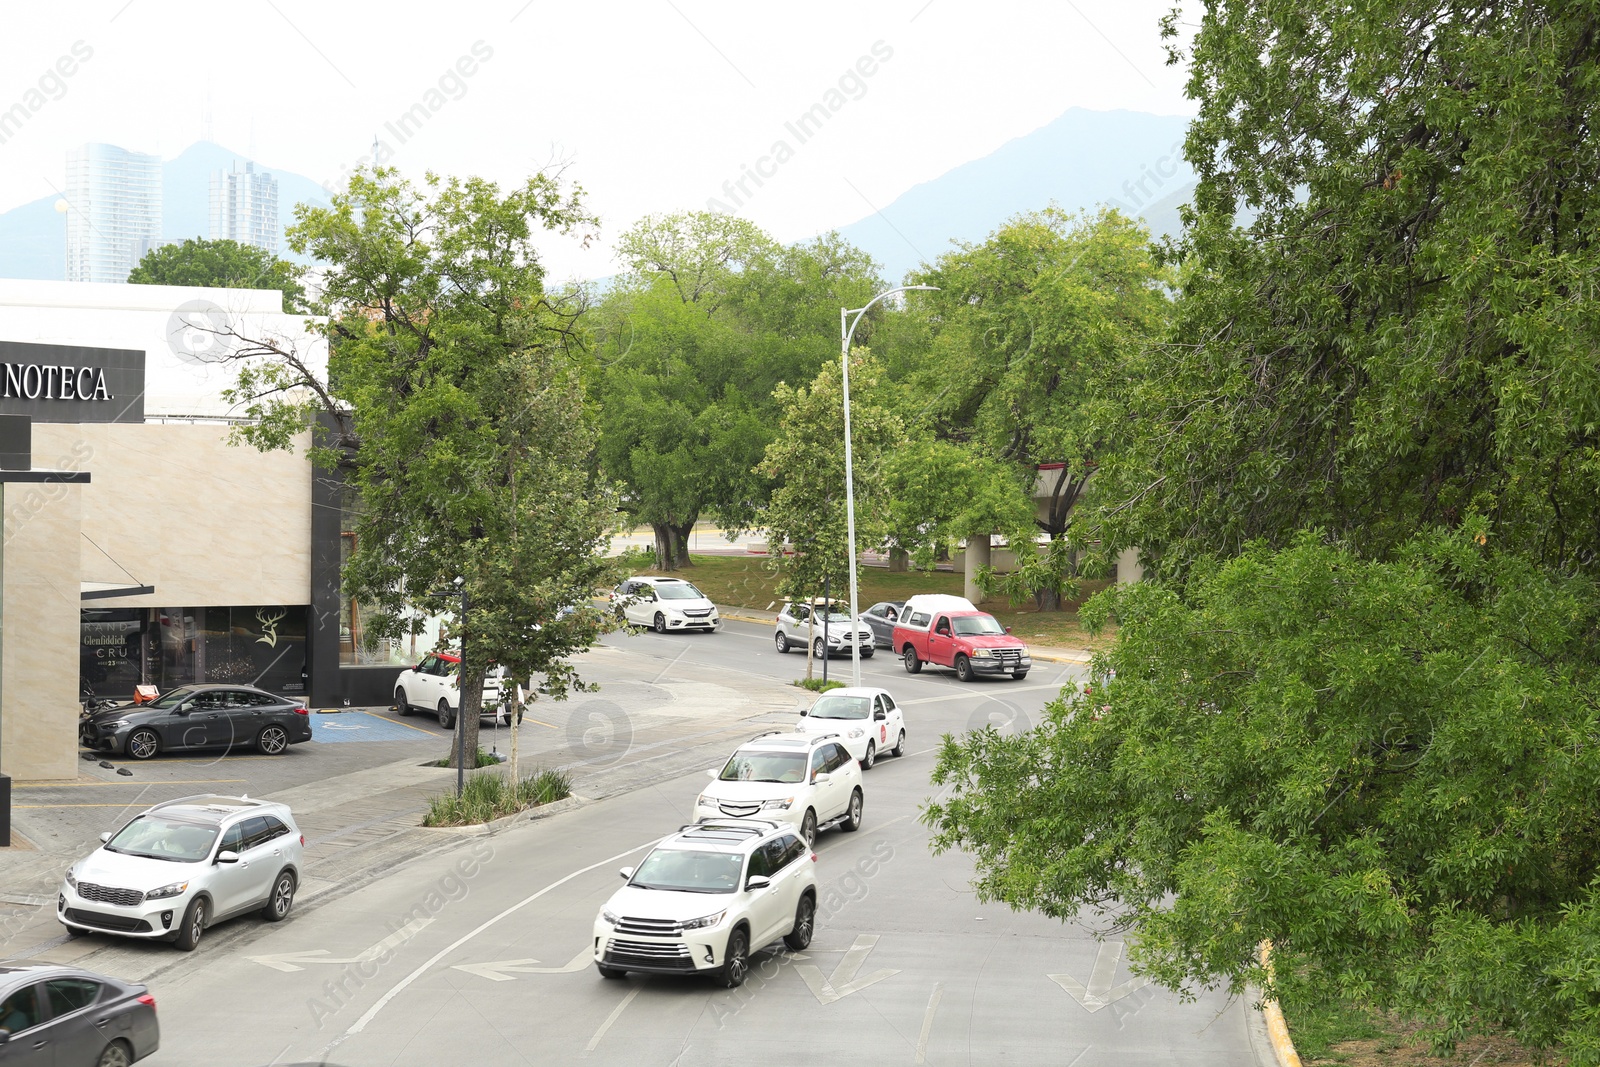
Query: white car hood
x=751, y=790
x=132, y=872
x=697, y=603
x=811, y=725
x=666, y=904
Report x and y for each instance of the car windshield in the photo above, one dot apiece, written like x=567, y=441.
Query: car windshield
x=689, y=871
x=765, y=767
x=173, y=698
x=835, y=616
x=164, y=839
x=978, y=625
x=678, y=591
x=836, y=707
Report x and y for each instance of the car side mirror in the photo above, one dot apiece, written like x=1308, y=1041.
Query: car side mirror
x=821, y=776
x=5, y=1035
x=756, y=881
x=227, y=855
x=880, y=715
x=804, y=712
x=712, y=773
x=105, y=837
x=626, y=872
x=1008, y=629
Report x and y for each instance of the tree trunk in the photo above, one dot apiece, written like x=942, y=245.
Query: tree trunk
x=811, y=632
x=899, y=560
x=472, y=675
x=1048, y=599
x=680, y=539
x=664, y=558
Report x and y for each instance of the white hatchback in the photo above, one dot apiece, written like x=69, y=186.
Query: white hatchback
x=867, y=720
x=807, y=782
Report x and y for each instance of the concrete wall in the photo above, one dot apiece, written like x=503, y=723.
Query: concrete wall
x=39, y=672
x=207, y=523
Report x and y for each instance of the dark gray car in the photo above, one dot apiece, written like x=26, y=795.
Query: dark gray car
x=69, y=1017
x=196, y=717
x=881, y=618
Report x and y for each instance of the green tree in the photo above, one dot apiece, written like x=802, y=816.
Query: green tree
x=225, y=264
x=464, y=431
x=806, y=514
x=1385, y=767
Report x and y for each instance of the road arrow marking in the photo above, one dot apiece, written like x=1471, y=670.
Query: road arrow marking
x=1100, y=991
x=502, y=970
x=299, y=961
x=843, y=981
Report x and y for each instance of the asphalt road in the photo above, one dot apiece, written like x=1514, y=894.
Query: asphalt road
x=478, y=954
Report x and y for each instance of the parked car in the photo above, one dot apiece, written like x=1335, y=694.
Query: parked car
x=880, y=619
x=194, y=717
x=434, y=685
x=948, y=631
x=180, y=867
x=708, y=897
x=866, y=719
x=50, y=1014
x=830, y=632
x=665, y=604
x=808, y=782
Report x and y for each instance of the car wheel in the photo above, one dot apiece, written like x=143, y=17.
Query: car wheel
x=805, y=922
x=1020, y=675
x=194, y=925
x=852, y=822
x=282, y=898
x=115, y=1054
x=808, y=829
x=913, y=664
x=447, y=718
x=660, y=623
x=272, y=741
x=819, y=649
x=73, y=931
x=142, y=744
x=871, y=757
x=781, y=640
x=736, y=961
x=866, y=653
x=899, y=748
x=610, y=972
x=964, y=668
x=400, y=704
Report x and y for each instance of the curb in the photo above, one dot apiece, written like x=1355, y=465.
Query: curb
x=1277, y=1028
x=543, y=811
x=1078, y=659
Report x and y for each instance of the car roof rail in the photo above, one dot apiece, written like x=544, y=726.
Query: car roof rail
x=210, y=799
x=769, y=733
x=756, y=827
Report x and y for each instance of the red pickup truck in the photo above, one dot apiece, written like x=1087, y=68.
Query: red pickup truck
x=949, y=631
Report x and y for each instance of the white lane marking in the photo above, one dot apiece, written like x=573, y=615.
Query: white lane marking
x=927, y=1022
x=400, y=986
x=598, y=1034
x=979, y=696
x=843, y=981
x=1099, y=992
x=298, y=961
x=502, y=970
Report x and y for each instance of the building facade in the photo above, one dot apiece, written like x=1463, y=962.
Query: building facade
x=113, y=208
x=244, y=207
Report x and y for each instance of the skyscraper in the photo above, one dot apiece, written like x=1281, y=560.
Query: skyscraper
x=113, y=207
x=244, y=207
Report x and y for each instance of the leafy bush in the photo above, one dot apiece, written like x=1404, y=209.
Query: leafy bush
x=489, y=796
x=817, y=685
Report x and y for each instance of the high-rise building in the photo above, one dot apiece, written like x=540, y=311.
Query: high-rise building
x=244, y=207
x=113, y=207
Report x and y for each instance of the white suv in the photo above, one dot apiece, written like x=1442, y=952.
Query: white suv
x=708, y=897
x=806, y=782
x=435, y=685
x=665, y=604
x=829, y=632
x=183, y=866
x=866, y=718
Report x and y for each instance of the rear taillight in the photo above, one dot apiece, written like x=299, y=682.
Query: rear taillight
x=813, y=857
x=300, y=711
x=148, y=1001
x=302, y=840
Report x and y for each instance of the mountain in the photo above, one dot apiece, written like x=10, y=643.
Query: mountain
x=33, y=237
x=1125, y=159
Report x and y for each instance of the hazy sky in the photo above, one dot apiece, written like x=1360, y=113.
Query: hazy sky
x=655, y=104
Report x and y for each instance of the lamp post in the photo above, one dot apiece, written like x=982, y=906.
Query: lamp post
x=460, y=590
x=849, y=319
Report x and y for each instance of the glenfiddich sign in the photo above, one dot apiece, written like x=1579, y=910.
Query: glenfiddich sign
x=66, y=383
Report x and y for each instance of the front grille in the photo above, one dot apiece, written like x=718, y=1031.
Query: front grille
x=622, y=953
x=738, y=811
x=1009, y=656
x=697, y=613
x=105, y=894
x=630, y=924
x=125, y=923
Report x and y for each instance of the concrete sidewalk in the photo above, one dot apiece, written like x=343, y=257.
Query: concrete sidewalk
x=1079, y=656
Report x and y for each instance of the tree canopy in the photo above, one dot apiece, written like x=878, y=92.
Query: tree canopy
x=225, y=264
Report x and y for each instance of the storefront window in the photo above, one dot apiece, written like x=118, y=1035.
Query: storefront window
x=359, y=645
x=262, y=645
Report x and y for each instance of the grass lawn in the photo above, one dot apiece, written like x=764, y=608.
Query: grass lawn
x=747, y=582
x=1345, y=1033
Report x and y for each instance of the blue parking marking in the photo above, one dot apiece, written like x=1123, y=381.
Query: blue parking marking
x=361, y=726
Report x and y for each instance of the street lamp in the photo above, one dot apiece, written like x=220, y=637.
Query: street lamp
x=849, y=319
x=460, y=590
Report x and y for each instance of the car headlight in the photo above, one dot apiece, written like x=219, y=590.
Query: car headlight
x=704, y=921
x=72, y=879
x=114, y=725
x=983, y=653
x=705, y=800
x=609, y=916
x=857, y=732
x=1026, y=658
x=173, y=890
x=777, y=805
